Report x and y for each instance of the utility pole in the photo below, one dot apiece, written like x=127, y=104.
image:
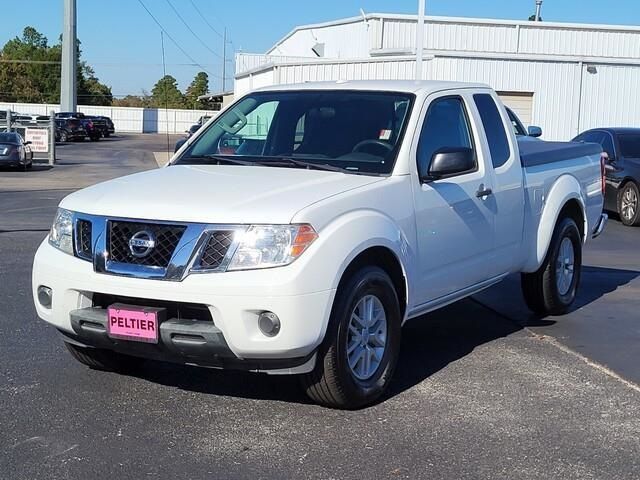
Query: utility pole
x=224, y=60
x=68, y=80
x=420, y=39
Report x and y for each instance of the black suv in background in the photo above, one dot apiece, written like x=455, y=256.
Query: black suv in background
x=92, y=131
x=100, y=124
x=69, y=129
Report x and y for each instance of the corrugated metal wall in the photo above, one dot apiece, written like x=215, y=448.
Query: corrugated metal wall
x=401, y=34
x=126, y=119
x=610, y=97
x=555, y=87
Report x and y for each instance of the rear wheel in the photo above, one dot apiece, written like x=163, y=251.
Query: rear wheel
x=101, y=359
x=552, y=289
x=356, y=361
x=628, y=200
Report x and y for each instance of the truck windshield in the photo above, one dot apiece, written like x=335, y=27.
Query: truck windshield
x=629, y=145
x=348, y=131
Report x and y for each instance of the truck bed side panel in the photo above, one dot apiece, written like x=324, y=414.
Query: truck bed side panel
x=549, y=185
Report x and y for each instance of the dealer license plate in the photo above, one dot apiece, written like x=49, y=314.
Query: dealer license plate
x=131, y=322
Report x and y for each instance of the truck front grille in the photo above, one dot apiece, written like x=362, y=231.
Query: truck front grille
x=166, y=238
x=216, y=249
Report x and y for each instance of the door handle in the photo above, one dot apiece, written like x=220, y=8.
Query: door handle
x=484, y=192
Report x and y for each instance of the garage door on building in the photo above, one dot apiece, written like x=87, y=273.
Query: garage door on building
x=521, y=103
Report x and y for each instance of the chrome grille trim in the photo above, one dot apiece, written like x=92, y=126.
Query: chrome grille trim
x=186, y=257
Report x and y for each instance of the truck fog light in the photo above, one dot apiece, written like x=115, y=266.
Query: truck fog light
x=269, y=324
x=44, y=296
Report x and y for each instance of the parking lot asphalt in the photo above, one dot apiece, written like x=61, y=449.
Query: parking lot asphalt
x=483, y=389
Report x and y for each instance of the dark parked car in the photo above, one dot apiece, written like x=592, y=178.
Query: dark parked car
x=14, y=151
x=111, y=129
x=100, y=124
x=92, y=130
x=69, y=129
x=622, y=146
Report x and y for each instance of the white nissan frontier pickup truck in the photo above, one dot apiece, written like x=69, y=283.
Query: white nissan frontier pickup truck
x=297, y=231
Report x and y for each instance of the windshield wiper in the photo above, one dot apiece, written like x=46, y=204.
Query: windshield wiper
x=309, y=165
x=269, y=161
x=218, y=159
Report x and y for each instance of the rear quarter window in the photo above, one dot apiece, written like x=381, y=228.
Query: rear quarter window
x=494, y=129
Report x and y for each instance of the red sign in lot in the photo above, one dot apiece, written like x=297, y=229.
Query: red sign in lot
x=139, y=324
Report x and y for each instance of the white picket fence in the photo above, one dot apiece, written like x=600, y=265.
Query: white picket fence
x=126, y=119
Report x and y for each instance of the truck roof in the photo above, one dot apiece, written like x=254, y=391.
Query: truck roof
x=408, y=86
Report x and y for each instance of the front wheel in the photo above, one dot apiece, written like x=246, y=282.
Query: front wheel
x=356, y=361
x=552, y=288
x=628, y=199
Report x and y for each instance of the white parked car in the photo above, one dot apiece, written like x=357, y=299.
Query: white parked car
x=345, y=210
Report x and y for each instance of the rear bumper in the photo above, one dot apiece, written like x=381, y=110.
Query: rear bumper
x=183, y=341
x=602, y=222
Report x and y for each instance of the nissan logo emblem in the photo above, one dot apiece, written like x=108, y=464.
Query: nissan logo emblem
x=142, y=243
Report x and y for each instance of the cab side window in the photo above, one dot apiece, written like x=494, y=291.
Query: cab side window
x=445, y=126
x=493, y=129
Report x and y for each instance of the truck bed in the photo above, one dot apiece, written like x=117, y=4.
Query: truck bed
x=540, y=152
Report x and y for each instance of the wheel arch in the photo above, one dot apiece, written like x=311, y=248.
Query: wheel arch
x=564, y=199
x=386, y=259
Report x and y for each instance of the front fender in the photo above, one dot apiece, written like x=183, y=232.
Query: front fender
x=564, y=189
x=351, y=234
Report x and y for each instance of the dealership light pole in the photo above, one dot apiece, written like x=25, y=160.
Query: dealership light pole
x=419, y=39
x=68, y=80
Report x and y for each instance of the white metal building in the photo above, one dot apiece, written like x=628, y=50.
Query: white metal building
x=563, y=77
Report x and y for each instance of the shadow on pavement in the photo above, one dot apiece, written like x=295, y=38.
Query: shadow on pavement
x=429, y=344
x=595, y=282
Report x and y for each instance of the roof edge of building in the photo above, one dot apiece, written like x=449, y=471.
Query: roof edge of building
x=447, y=19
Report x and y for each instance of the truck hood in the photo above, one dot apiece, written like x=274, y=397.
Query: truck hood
x=213, y=193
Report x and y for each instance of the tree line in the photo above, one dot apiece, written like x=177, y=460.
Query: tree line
x=30, y=72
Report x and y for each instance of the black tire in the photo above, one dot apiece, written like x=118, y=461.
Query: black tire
x=332, y=382
x=540, y=289
x=100, y=359
x=30, y=165
x=95, y=138
x=628, y=204
x=107, y=134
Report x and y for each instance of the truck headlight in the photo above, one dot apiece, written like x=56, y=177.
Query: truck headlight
x=264, y=246
x=61, y=234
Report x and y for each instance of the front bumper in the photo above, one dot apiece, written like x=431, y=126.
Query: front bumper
x=11, y=160
x=190, y=342
x=234, y=299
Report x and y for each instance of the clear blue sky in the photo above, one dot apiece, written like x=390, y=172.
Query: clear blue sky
x=122, y=42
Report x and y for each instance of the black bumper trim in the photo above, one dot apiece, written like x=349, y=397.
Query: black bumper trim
x=182, y=341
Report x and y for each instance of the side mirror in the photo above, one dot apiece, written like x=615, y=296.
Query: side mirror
x=534, y=131
x=449, y=161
